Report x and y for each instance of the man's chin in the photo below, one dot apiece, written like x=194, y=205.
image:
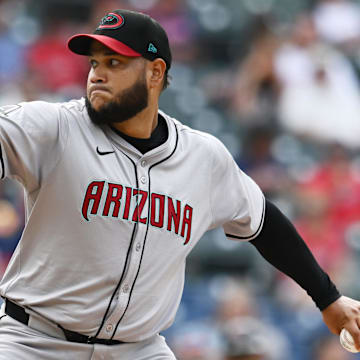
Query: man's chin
x=98, y=102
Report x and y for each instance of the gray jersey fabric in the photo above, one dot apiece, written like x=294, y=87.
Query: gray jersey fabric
x=107, y=228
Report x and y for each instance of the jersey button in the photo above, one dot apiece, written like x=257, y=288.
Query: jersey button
x=143, y=163
x=143, y=179
x=138, y=247
x=109, y=328
x=126, y=288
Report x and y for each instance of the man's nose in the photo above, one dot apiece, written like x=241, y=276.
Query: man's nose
x=98, y=75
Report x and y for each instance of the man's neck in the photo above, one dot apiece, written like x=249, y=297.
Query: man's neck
x=140, y=126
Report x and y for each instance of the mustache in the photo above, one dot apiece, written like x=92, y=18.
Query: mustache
x=98, y=87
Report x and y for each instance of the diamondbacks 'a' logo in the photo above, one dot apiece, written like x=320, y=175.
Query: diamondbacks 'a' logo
x=111, y=21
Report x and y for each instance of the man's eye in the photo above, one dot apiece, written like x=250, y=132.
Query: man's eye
x=114, y=62
x=93, y=63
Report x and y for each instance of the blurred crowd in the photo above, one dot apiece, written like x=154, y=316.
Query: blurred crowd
x=278, y=82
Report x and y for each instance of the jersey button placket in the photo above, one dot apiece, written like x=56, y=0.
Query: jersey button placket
x=142, y=171
x=128, y=281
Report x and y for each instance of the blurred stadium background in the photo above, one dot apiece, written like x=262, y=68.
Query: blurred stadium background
x=278, y=82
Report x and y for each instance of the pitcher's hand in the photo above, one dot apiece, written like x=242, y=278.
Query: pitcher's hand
x=344, y=313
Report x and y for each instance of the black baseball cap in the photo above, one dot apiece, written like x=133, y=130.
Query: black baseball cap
x=128, y=33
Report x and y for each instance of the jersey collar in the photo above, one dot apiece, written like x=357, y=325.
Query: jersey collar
x=153, y=156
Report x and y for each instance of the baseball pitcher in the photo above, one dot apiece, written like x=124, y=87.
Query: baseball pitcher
x=117, y=194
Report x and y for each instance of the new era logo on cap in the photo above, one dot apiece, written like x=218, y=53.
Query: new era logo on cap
x=152, y=48
x=129, y=33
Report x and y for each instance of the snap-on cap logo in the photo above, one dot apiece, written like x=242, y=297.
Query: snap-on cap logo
x=111, y=21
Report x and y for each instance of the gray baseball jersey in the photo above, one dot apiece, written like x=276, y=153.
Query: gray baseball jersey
x=107, y=228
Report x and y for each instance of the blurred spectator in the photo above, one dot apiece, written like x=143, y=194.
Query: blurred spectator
x=328, y=348
x=9, y=223
x=11, y=65
x=246, y=334
x=12, y=62
x=254, y=86
x=10, y=232
x=52, y=64
x=247, y=338
x=258, y=162
x=237, y=299
x=338, y=22
x=196, y=341
x=319, y=97
x=174, y=17
x=322, y=236
x=329, y=202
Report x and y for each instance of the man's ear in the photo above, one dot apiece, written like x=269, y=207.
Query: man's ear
x=157, y=71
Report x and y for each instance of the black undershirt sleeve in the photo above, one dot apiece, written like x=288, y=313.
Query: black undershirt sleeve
x=281, y=245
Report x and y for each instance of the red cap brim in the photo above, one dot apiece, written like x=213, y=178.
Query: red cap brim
x=80, y=44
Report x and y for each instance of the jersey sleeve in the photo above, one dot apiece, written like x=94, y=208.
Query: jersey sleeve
x=31, y=140
x=237, y=203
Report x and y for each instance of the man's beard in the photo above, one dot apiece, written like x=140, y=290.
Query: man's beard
x=126, y=105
